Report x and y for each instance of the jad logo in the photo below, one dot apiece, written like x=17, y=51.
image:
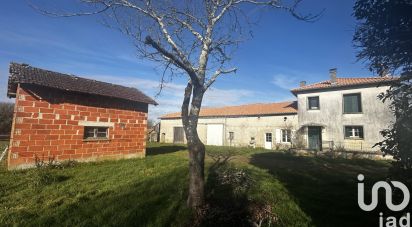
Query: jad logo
x=388, y=221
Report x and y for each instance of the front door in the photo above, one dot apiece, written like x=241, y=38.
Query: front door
x=268, y=140
x=315, y=138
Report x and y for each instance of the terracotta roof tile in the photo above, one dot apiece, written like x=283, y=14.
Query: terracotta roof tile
x=345, y=82
x=25, y=74
x=258, y=109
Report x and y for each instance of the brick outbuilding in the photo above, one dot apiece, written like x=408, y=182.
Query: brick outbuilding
x=65, y=117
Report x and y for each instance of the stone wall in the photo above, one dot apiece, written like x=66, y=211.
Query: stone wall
x=244, y=128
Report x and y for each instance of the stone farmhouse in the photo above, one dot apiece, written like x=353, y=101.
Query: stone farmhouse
x=64, y=117
x=336, y=113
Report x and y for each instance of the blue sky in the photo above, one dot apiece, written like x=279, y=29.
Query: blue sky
x=282, y=52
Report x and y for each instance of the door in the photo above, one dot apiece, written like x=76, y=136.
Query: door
x=215, y=135
x=315, y=138
x=268, y=140
x=178, y=135
x=163, y=138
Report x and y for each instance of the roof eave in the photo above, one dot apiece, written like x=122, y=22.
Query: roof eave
x=299, y=91
x=240, y=115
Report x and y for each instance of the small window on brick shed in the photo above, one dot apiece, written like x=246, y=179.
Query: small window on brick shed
x=96, y=132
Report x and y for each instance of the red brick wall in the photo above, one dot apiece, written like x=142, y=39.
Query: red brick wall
x=46, y=125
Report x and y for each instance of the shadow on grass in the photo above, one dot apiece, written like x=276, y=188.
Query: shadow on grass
x=144, y=203
x=326, y=189
x=157, y=150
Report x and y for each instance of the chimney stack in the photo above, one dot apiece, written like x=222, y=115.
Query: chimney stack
x=302, y=83
x=332, y=73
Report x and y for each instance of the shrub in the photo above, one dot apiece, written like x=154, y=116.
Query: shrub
x=44, y=173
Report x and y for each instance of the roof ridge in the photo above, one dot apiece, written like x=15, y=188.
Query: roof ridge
x=258, y=111
x=25, y=73
x=69, y=75
x=250, y=104
x=345, y=82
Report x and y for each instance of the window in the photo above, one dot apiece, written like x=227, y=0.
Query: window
x=96, y=132
x=352, y=103
x=231, y=135
x=286, y=134
x=268, y=137
x=313, y=103
x=354, y=132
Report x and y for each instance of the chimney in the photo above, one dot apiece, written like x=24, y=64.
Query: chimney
x=332, y=73
x=302, y=83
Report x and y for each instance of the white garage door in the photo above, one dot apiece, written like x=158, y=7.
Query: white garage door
x=215, y=135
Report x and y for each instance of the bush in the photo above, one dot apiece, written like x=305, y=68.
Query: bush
x=45, y=174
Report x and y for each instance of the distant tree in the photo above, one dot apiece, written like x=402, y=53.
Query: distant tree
x=384, y=37
x=6, y=117
x=150, y=123
x=193, y=38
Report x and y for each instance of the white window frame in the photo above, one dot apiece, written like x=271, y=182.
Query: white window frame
x=288, y=136
x=354, y=130
x=95, y=133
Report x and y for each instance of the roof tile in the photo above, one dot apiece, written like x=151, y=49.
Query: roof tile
x=345, y=82
x=258, y=109
x=25, y=74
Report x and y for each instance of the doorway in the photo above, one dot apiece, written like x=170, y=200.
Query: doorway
x=315, y=138
x=215, y=135
x=178, y=135
x=268, y=140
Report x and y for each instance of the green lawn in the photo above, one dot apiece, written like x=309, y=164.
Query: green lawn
x=3, y=145
x=298, y=191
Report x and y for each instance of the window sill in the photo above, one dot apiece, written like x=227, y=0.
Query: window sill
x=354, y=113
x=347, y=138
x=95, y=140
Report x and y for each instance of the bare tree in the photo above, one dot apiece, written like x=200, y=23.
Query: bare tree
x=6, y=117
x=191, y=37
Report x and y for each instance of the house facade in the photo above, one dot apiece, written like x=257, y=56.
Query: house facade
x=257, y=125
x=343, y=112
x=64, y=117
x=336, y=113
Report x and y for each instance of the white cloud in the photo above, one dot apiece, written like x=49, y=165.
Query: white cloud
x=285, y=81
x=171, y=97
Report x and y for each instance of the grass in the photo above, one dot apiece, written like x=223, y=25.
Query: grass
x=3, y=145
x=301, y=191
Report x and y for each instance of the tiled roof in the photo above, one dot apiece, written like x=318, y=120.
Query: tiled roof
x=345, y=82
x=244, y=110
x=25, y=74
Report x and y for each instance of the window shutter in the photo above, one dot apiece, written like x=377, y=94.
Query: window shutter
x=347, y=104
x=352, y=103
x=278, y=135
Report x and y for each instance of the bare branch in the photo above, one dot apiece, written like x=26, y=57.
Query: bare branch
x=190, y=28
x=172, y=57
x=217, y=74
x=54, y=14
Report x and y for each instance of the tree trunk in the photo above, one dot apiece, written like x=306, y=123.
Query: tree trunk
x=196, y=174
x=195, y=146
